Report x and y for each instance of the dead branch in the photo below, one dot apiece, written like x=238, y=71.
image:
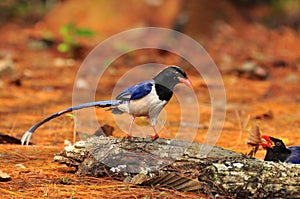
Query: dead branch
x=183, y=166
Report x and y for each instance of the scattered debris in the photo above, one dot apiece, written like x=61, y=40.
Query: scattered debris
x=106, y=130
x=291, y=78
x=265, y=116
x=64, y=62
x=82, y=83
x=7, y=65
x=77, y=151
x=64, y=181
x=4, y=176
x=67, y=143
x=39, y=44
x=172, y=181
x=6, y=139
x=16, y=81
x=20, y=166
x=252, y=70
x=280, y=64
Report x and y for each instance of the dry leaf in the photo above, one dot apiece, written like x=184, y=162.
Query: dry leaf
x=254, y=136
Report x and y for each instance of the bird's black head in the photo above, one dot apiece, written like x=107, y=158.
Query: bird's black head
x=171, y=76
x=274, y=143
x=278, y=144
x=166, y=79
x=276, y=149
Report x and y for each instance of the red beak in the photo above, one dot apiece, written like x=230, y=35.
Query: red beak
x=269, y=141
x=186, y=82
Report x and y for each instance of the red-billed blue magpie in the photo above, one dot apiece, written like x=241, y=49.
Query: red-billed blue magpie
x=277, y=151
x=145, y=99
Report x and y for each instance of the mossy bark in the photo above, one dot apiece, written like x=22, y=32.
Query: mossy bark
x=183, y=166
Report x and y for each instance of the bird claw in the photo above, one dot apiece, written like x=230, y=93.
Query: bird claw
x=154, y=137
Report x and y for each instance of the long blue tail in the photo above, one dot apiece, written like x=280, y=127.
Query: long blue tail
x=101, y=104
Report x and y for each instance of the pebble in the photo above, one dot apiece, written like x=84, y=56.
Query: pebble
x=61, y=62
x=248, y=66
x=20, y=166
x=37, y=45
x=252, y=70
x=82, y=83
x=80, y=144
x=4, y=176
x=6, y=64
x=291, y=78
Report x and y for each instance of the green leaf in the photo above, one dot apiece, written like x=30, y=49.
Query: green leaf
x=84, y=32
x=70, y=115
x=63, y=47
x=69, y=39
x=65, y=30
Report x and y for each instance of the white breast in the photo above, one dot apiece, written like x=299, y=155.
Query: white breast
x=149, y=106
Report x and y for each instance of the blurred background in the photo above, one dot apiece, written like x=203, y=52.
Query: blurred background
x=197, y=18
x=230, y=30
x=255, y=44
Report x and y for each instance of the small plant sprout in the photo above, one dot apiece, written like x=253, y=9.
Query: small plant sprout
x=70, y=34
x=70, y=115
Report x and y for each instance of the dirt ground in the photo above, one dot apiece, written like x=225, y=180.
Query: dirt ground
x=39, y=86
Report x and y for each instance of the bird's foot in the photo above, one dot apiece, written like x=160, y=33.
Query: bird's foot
x=154, y=137
x=127, y=136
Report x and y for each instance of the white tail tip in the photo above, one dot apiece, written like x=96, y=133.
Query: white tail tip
x=26, y=138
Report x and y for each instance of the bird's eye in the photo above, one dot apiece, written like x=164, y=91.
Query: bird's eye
x=278, y=143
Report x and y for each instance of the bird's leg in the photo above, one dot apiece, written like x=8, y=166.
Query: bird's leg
x=155, y=136
x=129, y=134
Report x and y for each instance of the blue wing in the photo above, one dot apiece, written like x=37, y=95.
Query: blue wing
x=294, y=158
x=136, y=92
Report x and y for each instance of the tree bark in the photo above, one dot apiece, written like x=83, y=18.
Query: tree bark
x=183, y=166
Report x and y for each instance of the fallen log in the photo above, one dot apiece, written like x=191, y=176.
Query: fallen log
x=183, y=166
